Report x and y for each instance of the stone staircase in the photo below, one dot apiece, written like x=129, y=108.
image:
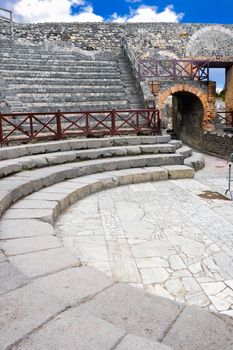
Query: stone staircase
x=39, y=79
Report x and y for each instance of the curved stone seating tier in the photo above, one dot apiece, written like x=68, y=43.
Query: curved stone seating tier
x=9, y=167
x=46, y=290
x=26, y=182
x=80, y=144
x=42, y=282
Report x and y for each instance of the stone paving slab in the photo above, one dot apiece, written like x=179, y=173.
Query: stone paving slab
x=44, y=262
x=31, y=204
x=43, y=214
x=200, y=330
x=75, y=284
x=10, y=277
x=74, y=331
x=24, y=228
x=23, y=310
x=27, y=245
x=2, y=257
x=133, y=310
x=183, y=258
x=132, y=342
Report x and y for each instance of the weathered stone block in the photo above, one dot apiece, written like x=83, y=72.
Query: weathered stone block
x=44, y=262
x=179, y=171
x=133, y=310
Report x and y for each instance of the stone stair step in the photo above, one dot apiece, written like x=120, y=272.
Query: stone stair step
x=196, y=161
x=22, y=184
x=54, y=62
x=49, y=89
x=63, y=81
x=50, y=74
x=179, y=171
x=185, y=151
x=45, y=55
x=9, y=167
x=176, y=143
x=68, y=97
x=51, y=68
x=43, y=107
x=11, y=152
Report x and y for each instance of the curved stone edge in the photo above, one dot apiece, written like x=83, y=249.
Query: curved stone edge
x=24, y=183
x=13, y=166
x=196, y=161
x=96, y=304
x=79, y=144
x=36, y=258
x=23, y=250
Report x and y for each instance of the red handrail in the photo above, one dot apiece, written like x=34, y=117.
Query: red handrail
x=58, y=125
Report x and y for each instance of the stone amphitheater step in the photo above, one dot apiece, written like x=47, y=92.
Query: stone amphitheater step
x=26, y=182
x=63, y=81
x=44, y=107
x=54, y=89
x=59, y=74
x=33, y=65
x=57, y=68
x=11, y=152
x=55, y=62
x=65, y=297
x=47, y=55
x=11, y=166
x=70, y=97
x=196, y=161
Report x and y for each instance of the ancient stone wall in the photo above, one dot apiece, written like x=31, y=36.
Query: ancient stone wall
x=167, y=40
x=217, y=142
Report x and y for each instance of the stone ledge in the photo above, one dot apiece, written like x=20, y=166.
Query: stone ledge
x=13, y=166
x=196, y=161
x=78, y=144
x=22, y=184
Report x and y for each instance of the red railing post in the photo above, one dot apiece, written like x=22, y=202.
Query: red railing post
x=1, y=135
x=31, y=125
x=87, y=124
x=137, y=122
x=158, y=123
x=58, y=122
x=113, y=122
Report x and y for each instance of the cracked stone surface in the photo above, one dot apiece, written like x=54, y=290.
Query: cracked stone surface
x=160, y=236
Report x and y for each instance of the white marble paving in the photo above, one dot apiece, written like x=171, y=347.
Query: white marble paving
x=160, y=236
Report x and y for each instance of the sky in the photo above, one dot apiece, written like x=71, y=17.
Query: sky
x=187, y=11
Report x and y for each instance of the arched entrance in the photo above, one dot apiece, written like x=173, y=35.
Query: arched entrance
x=189, y=111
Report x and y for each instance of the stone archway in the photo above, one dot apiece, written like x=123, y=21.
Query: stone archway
x=190, y=111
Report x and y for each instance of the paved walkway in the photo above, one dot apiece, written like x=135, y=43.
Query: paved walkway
x=174, y=239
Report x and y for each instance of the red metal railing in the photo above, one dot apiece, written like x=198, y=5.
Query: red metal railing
x=37, y=126
x=174, y=69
